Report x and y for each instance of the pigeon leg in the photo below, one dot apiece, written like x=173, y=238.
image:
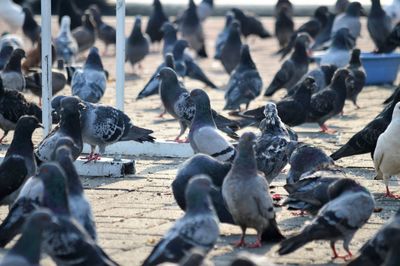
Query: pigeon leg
x=337, y=256
x=162, y=114
x=185, y=140
x=388, y=193
x=183, y=129
x=327, y=130
x=241, y=242
x=95, y=157
x=256, y=244
x=4, y=135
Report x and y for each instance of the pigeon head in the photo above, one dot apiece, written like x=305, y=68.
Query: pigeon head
x=321, y=14
x=309, y=84
x=343, y=39
x=303, y=41
x=341, y=6
x=341, y=186
x=71, y=105
x=169, y=61
x=55, y=190
x=355, y=58
x=229, y=17
x=343, y=79
x=93, y=61
x=95, y=11
x=270, y=110
x=245, y=56
x=239, y=15
x=6, y=51
x=179, y=48
x=63, y=151
x=65, y=24
x=87, y=21
x=56, y=103
x=167, y=75
x=201, y=100
x=168, y=27
x=355, y=9
x=28, y=123
x=197, y=191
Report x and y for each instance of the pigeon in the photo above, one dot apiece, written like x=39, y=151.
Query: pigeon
x=192, y=30
x=341, y=6
x=104, y=125
x=27, y=250
x=250, y=25
x=306, y=158
x=247, y=196
x=358, y=72
x=312, y=27
x=230, y=51
x=33, y=57
x=18, y=163
x=205, y=9
x=137, y=44
x=284, y=25
x=349, y=208
x=385, y=156
x=12, y=14
x=322, y=76
x=215, y=169
x=85, y=35
x=69, y=8
x=5, y=54
x=177, y=103
x=90, y=83
x=392, y=41
x=68, y=127
x=13, y=106
x=68, y=243
x=204, y=136
x=198, y=228
x=338, y=53
x=13, y=40
x=350, y=20
x=106, y=33
x=273, y=147
x=379, y=24
x=11, y=75
x=292, y=69
x=223, y=35
x=330, y=101
x=66, y=46
x=377, y=250
x=283, y=4
x=366, y=139
x=151, y=87
x=58, y=81
x=169, y=35
x=310, y=193
x=324, y=35
x=245, y=83
x=156, y=21
x=77, y=201
x=30, y=28
x=186, y=66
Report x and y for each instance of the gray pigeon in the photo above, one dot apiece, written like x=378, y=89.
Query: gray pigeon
x=137, y=44
x=376, y=251
x=104, y=125
x=223, y=35
x=338, y=53
x=230, y=51
x=177, y=103
x=85, y=35
x=68, y=243
x=306, y=158
x=26, y=252
x=341, y=6
x=350, y=20
x=156, y=21
x=322, y=76
x=66, y=45
x=198, y=228
x=379, y=24
x=293, y=69
x=204, y=136
x=12, y=77
x=152, y=86
x=245, y=83
x=205, y=9
x=273, y=147
x=169, y=37
x=215, y=169
x=192, y=30
x=359, y=74
x=106, y=33
x=67, y=128
x=349, y=208
x=90, y=83
x=330, y=101
x=30, y=27
x=246, y=194
x=19, y=162
x=310, y=193
x=284, y=25
x=5, y=54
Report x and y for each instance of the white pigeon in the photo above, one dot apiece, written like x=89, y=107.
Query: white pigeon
x=66, y=46
x=386, y=155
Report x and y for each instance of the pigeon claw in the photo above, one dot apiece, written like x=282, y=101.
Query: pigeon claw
x=276, y=197
x=256, y=244
x=327, y=130
x=240, y=243
x=390, y=194
x=185, y=140
x=93, y=158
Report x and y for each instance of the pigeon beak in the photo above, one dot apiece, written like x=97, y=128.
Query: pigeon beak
x=39, y=126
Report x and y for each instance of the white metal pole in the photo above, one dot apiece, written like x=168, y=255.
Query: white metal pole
x=120, y=46
x=46, y=65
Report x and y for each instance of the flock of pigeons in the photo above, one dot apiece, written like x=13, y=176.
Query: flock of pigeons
x=222, y=182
